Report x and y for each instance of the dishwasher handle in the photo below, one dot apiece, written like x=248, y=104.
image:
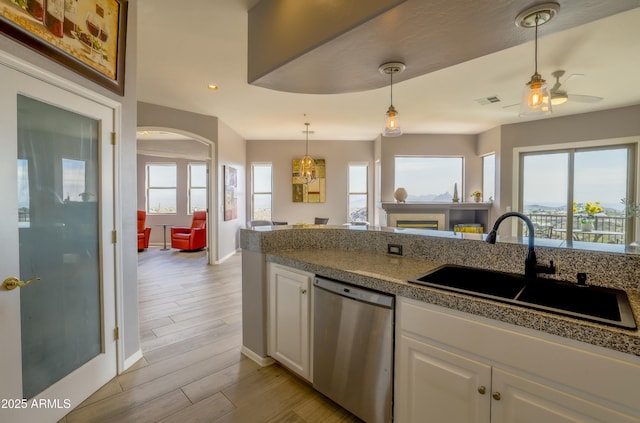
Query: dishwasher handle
x=355, y=293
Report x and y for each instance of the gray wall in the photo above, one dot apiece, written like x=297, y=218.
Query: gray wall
x=600, y=126
x=338, y=155
x=433, y=145
x=127, y=166
x=181, y=217
x=227, y=148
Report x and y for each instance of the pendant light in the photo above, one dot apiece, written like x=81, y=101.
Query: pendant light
x=536, y=98
x=392, y=123
x=307, y=166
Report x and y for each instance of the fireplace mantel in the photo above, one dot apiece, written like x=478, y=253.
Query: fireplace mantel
x=454, y=213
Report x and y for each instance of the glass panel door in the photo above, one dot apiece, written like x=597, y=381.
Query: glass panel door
x=56, y=223
x=545, y=179
x=58, y=241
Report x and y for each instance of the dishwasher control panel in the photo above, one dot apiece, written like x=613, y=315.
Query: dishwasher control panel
x=356, y=293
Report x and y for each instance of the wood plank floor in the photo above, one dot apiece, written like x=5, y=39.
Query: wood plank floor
x=192, y=370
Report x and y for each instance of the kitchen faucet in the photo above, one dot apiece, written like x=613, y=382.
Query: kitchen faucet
x=531, y=266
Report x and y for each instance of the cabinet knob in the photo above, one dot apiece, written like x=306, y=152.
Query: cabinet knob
x=496, y=396
x=482, y=390
x=303, y=291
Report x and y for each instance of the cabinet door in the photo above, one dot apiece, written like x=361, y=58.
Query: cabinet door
x=437, y=386
x=289, y=318
x=518, y=399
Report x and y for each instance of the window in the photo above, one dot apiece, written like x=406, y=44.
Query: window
x=557, y=187
x=429, y=178
x=489, y=177
x=73, y=180
x=197, y=187
x=358, y=194
x=261, y=191
x=161, y=188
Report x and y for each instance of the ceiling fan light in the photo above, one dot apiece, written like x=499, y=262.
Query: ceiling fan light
x=392, y=123
x=559, y=98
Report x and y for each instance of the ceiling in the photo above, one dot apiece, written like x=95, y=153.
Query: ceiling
x=182, y=49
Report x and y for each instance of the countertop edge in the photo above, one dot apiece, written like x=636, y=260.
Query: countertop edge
x=600, y=335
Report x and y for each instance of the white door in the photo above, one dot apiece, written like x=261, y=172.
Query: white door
x=56, y=217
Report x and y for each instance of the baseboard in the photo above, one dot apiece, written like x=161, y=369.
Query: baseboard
x=228, y=256
x=259, y=360
x=132, y=359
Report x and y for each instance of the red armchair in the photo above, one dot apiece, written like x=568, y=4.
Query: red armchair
x=193, y=238
x=143, y=233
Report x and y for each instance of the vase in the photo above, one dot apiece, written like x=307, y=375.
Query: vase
x=477, y=198
x=400, y=195
x=587, y=227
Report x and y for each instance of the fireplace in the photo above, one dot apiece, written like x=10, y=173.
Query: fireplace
x=429, y=221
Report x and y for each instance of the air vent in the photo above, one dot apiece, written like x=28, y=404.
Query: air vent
x=488, y=100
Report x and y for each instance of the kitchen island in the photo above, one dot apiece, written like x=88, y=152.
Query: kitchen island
x=360, y=257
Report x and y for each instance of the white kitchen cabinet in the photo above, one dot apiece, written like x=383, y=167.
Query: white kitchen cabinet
x=454, y=367
x=433, y=385
x=519, y=399
x=289, y=323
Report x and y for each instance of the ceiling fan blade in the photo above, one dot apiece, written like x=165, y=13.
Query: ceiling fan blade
x=584, y=98
x=573, y=76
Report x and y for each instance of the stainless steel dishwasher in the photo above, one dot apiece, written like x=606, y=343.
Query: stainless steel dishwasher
x=353, y=348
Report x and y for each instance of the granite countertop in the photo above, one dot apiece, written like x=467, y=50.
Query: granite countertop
x=390, y=274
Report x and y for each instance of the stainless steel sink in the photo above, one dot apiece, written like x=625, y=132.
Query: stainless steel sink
x=604, y=305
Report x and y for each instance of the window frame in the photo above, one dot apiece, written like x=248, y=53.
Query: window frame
x=571, y=151
x=350, y=193
x=461, y=186
x=148, y=187
x=191, y=187
x=254, y=192
x=491, y=197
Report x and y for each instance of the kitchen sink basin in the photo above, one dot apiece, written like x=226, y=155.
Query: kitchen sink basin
x=469, y=279
x=604, y=305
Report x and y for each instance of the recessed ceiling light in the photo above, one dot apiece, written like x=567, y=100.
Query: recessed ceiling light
x=213, y=87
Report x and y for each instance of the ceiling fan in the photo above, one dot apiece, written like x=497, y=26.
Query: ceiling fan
x=560, y=96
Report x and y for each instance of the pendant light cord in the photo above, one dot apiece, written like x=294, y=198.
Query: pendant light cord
x=391, y=74
x=536, y=44
x=307, y=144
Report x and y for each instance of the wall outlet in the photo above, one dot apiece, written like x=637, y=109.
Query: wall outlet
x=394, y=249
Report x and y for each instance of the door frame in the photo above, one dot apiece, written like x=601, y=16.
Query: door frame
x=47, y=77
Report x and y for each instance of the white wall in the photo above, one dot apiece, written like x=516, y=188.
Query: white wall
x=338, y=155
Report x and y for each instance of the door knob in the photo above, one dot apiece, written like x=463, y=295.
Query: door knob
x=12, y=283
x=482, y=390
x=496, y=396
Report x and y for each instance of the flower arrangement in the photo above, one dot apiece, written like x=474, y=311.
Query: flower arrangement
x=476, y=194
x=590, y=208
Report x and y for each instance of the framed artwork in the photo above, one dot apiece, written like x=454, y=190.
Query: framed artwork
x=230, y=193
x=314, y=191
x=87, y=36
